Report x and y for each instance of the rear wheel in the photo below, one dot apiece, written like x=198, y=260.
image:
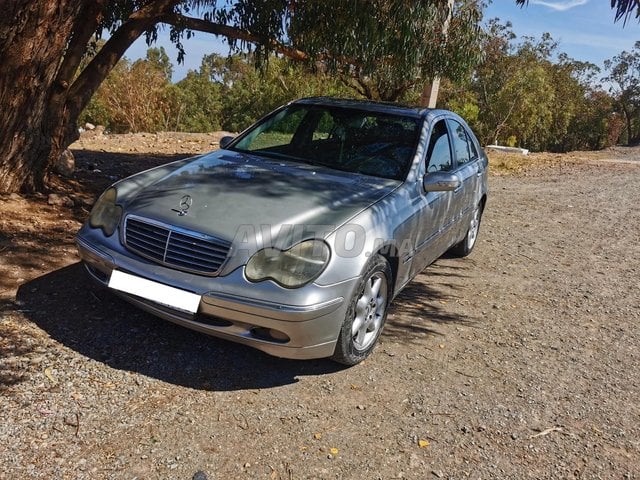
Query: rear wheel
x=465, y=246
x=366, y=314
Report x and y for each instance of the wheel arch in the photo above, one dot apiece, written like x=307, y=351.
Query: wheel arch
x=483, y=201
x=390, y=253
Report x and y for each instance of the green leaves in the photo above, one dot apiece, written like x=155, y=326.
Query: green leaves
x=391, y=45
x=624, y=85
x=385, y=46
x=520, y=95
x=226, y=93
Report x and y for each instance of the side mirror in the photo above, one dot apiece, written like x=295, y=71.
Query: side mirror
x=226, y=140
x=441, y=182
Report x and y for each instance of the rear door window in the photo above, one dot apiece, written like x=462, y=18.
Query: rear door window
x=461, y=143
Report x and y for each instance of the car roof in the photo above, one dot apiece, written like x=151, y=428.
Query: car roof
x=370, y=105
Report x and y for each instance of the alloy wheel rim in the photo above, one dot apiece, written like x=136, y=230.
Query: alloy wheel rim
x=473, y=228
x=369, y=311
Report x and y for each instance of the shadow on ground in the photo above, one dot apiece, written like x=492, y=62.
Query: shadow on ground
x=16, y=342
x=34, y=234
x=99, y=325
x=425, y=303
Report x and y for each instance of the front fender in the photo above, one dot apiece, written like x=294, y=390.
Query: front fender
x=387, y=226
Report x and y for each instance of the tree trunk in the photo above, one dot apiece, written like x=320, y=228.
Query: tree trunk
x=42, y=94
x=41, y=45
x=627, y=118
x=33, y=33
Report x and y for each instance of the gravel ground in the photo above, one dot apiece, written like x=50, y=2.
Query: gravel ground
x=520, y=361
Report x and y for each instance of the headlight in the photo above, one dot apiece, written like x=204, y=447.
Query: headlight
x=292, y=268
x=105, y=213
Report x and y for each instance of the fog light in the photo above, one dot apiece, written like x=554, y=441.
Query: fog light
x=278, y=335
x=270, y=335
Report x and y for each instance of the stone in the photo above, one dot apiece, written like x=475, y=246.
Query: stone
x=60, y=200
x=65, y=165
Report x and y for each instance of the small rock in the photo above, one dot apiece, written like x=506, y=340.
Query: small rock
x=37, y=360
x=199, y=475
x=77, y=200
x=59, y=200
x=89, y=126
x=437, y=473
x=65, y=165
x=15, y=196
x=465, y=429
x=514, y=436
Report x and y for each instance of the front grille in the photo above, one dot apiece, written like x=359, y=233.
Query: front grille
x=176, y=248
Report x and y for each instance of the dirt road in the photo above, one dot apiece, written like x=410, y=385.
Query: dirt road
x=521, y=361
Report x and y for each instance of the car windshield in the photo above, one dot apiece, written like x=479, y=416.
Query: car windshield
x=348, y=139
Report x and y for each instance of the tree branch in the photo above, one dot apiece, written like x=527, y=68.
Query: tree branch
x=234, y=33
x=92, y=76
x=395, y=93
x=347, y=81
x=86, y=24
x=364, y=87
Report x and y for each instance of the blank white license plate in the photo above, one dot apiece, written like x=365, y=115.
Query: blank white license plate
x=157, y=292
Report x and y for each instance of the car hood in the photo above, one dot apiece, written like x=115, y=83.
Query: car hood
x=234, y=193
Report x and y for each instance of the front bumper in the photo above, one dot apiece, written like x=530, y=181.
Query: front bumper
x=300, y=324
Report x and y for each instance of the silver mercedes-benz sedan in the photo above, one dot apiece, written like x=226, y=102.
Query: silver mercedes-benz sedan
x=295, y=236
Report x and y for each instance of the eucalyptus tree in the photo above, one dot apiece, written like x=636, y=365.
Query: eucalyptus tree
x=527, y=94
x=624, y=86
x=381, y=46
x=626, y=9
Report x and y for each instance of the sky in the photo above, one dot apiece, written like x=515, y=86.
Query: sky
x=584, y=28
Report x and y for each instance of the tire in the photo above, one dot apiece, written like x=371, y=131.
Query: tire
x=366, y=314
x=465, y=246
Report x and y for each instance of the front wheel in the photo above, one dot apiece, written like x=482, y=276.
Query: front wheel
x=465, y=246
x=366, y=314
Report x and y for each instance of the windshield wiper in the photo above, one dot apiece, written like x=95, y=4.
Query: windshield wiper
x=282, y=156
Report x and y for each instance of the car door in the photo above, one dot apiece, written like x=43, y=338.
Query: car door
x=467, y=167
x=433, y=218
